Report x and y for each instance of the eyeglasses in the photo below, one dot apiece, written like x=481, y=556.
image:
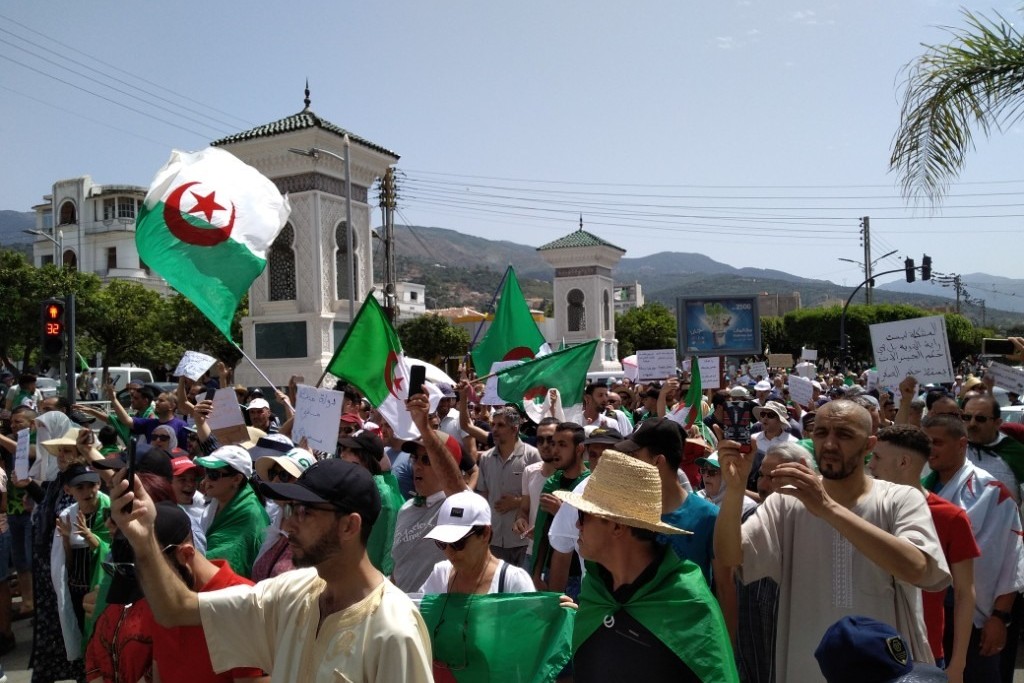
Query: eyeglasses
x=279, y=473
x=421, y=459
x=302, y=510
x=980, y=419
x=765, y=415
x=545, y=439
x=127, y=569
x=215, y=475
x=160, y=437
x=709, y=471
x=460, y=544
x=580, y=516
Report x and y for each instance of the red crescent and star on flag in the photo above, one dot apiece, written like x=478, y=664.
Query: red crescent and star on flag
x=526, y=353
x=393, y=382
x=205, y=206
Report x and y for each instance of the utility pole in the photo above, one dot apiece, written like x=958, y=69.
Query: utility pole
x=388, y=201
x=865, y=231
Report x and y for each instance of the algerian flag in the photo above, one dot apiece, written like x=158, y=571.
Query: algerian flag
x=530, y=381
x=513, y=334
x=471, y=643
x=205, y=227
x=691, y=410
x=370, y=357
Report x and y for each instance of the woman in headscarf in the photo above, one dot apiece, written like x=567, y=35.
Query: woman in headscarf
x=58, y=450
x=164, y=437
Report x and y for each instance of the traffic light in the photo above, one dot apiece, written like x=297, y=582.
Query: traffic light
x=53, y=327
x=909, y=265
x=926, y=267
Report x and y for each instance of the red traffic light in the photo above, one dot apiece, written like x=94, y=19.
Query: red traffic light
x=53, y=327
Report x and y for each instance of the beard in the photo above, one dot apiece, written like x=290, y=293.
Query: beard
x=844, y=471
x=322, y=549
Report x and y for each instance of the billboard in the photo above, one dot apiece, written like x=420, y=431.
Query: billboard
x=718, y=326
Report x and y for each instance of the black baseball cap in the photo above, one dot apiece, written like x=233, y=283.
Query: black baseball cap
x=76, y=474
x=370, y=444
x=660, y=435
x=147, y=459
x=173, y=525
x=345, y=485
x=606, y=435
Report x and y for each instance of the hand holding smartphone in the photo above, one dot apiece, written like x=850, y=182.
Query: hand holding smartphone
x=417, y=376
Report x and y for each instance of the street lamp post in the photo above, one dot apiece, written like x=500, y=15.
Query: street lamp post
x=869, y=276
x=57, y=242
x=315, y=153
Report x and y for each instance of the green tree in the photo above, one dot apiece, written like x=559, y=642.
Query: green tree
x=651, y=326
x=432, y=338
x=773, y=334
x=975, y=81
x=128, y=324
x=194, y=331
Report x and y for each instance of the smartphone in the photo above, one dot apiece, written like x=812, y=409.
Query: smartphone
x=133, y=444
x=417, y=376
x=738, y=417
x=997, y=347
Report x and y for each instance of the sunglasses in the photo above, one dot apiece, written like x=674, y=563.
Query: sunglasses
x=545, y=439
x=769, y=416
x=980, y=419
x=217, y=474
x=279, y=473
x=302, y=510
x=709, y=471
x=127, y=569
x=421, y=459
x=460, y=544
x=160, y=437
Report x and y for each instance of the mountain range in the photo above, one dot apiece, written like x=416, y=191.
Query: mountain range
x=465, y=270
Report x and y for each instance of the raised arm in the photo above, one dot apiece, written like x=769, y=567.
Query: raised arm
x=122, y=415
x=441, y=459
x=728, y=536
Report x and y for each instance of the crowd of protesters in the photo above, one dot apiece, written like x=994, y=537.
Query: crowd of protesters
x=759, y=542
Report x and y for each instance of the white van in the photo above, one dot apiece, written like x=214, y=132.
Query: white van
x=121, y=376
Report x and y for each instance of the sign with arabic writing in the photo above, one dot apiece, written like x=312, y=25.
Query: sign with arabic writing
x=317, y=416
x=915, y=348
x=718, y=326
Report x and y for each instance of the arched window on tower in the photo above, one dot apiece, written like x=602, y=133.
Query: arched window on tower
x=281, y=266
x=605, y=311
x=577, y=312
x=68, y=214
x=341, y=261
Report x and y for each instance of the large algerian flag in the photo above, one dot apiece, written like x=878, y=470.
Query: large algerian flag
x=371, y=359
x=530, y=381
x=205, y=227
x=471, y=642
x=513, y=334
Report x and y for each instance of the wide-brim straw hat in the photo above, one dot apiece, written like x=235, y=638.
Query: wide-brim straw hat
x=625, y=490
x=69, y=438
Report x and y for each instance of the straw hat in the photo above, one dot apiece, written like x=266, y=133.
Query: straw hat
x=625, y=490
x=69, y=438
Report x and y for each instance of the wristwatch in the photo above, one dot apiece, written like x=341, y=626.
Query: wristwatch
x=1002, y=616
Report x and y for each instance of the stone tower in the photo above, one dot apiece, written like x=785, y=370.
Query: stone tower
x=585, y=293
x=298, y=307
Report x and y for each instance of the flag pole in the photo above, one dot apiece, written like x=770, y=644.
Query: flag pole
x=490, y=307
x=253, y=363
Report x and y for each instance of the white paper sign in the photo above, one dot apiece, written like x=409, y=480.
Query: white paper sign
x=758, y=370
x=800, y=390
x=317, y=417
x=709, y=373
x=656, y=364
x=686, y=365
x=21, y=454
x=226, y=420
x=193, y=364
x=917, y=347
x=780, y=360
x=1007, y=377
x=808, y=354
x=808, y=370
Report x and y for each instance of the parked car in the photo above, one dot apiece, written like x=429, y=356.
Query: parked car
x=47, y=386
x=124, y=396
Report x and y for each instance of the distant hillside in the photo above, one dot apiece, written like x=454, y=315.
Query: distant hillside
x=997, y=292
x=463, y=269
x=12, y=223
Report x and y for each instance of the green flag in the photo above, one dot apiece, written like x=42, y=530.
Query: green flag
x=371, y=359
x=513, y=334
x=564, y=370
x=498, y=637
x=205, y=227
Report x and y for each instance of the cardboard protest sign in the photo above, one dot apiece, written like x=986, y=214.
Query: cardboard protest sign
x=709, y=372
x=656, y=364
x=226, y=420
x=21, y=455
x=317, y=417
x=1007, y=377
x=780, y=360
x=800, y=390
x=917, y=347
x=193, y=365
x=758, y=370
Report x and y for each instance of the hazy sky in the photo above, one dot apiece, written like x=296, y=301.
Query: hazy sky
x=754, y=132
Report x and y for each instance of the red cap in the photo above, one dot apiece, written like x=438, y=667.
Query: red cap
x=353, y=418
x=182, y=464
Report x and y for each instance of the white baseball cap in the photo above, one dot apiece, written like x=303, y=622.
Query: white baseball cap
x=235, y=457
x=458, y=515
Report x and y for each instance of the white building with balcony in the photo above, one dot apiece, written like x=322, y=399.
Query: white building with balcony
x=95, y=228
